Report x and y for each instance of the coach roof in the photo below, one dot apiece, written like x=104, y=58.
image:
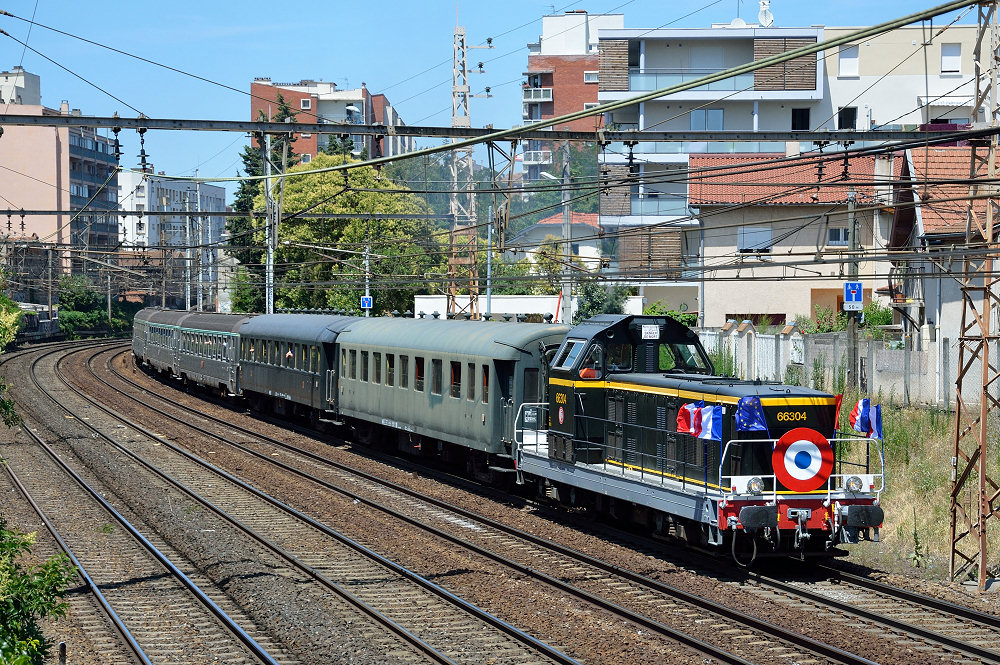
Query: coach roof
x=494, y=339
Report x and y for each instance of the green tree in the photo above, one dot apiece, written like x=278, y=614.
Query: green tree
x=594, y=297
x=242, y=229
x=28, y=594
x=82, y=306
x=248, y=295
x=657, y=308
x=508, y=277
x=331, y=275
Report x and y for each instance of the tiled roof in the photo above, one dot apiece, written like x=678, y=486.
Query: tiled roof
x=945, y=163
x=742, y=178
x=588, y=218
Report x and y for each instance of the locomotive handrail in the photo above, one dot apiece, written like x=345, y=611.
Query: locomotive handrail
x=727, y=487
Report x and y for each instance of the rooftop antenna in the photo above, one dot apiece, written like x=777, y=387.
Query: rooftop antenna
x=765, y=16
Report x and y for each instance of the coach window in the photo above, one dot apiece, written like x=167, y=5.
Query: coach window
x=404, y=371
x=456, y=379
x=390, y=369
x=353, y=367
x=289, y=359
x=436, y=375
x=486, y=384
x=364, y=365
x=418, y=378
x=314, y=359
x=530, y=385
x=470, y=379
x=377, y=363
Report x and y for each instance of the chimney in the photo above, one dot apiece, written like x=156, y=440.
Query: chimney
x=64, y=107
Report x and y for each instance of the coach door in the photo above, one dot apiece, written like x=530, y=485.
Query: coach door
x=330, y=372
x=505, y=384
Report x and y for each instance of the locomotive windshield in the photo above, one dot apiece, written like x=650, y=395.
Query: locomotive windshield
x=680, y=357
x=570, y=351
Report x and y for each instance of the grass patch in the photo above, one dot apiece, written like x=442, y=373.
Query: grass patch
x=916, y=536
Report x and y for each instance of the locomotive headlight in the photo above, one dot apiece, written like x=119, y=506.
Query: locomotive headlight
x=755, y=486
x=854, y=484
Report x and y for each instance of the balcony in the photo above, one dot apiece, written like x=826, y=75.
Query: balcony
x=654, y=79
x=659, y=203
x=698, y=147
x=536, y=94
x=537, y=157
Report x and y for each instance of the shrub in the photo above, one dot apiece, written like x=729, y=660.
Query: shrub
x=28, y=594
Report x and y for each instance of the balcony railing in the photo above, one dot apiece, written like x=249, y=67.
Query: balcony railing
x=657, y=203
x=686, y=147
x=537, y=157
x=536, y=94
x=654, y=79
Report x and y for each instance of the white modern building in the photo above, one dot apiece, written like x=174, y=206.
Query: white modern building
x=147, y=201
x=20, y=87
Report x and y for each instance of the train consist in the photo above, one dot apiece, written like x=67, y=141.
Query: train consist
x=622, y=414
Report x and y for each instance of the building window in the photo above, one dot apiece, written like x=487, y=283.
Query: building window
x=305, y=104
x=836, y=237
x=800, y=120
x=306, y=158
x=590, y=105
x=306, y=135
x=590, y=77
x=754, y=239
x=847, y=117
x=848, y=61
x=706, y=120
x=951, y=58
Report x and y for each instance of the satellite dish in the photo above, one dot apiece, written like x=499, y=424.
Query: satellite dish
x=765, y=16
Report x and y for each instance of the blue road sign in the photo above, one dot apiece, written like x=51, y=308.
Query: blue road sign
x=853, y=297
x=366, y=302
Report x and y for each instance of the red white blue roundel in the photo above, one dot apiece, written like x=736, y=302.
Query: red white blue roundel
x=802, y=459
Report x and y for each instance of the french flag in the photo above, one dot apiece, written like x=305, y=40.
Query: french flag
x=867, y=419
x=704, y=422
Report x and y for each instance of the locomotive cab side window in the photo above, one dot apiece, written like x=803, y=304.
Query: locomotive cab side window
x=619, y=357
x=570, y=351
x=681, y=357
x=593, y=363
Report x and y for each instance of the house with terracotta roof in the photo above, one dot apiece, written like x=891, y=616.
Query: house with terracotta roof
x=773, y=232
x=931, y=210
x=585, y=234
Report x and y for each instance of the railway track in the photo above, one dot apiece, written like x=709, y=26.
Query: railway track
x=436, y=625
x=158, y=612
x=651, y=605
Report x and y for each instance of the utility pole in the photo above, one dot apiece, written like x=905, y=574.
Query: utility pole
x=852, y=271
x=269, y=227
x=201, y=245
x=567, y=224
x=49, y=280
x=972, y=503
x=187, y=252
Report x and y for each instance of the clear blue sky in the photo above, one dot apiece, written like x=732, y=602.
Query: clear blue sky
x=404, y=52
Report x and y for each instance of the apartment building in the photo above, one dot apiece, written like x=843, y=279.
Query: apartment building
x=147, y=201
x=562, y=77
x=322, y=101
x=67, y=171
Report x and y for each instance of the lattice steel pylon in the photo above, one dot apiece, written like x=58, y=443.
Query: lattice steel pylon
x=463, y=237
x=978, y=380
